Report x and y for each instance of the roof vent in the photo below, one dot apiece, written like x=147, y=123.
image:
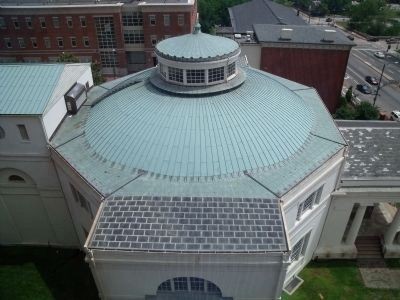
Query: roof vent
x=286, y=34
x=329, y=35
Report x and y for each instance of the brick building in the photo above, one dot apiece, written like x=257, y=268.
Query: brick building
x=119, y=34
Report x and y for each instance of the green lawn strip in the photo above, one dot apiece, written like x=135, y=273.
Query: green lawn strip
x=22, y=282
x=63, y=271
x=336, y=280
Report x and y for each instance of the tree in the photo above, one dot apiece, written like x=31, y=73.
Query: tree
x=345, y=112
x=95, y=66
x=366, y=111
x=336, y=6
x=349, y=94
x=374, y=17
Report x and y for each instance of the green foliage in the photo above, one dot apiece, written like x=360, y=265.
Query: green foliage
x=95, y=66
x=336, y=6
x=285, y=2
x=349, y=94
x=366, y=111
x=215, y=12
x=98, y=77
x=374, y=17
x=67, y=57
x=345, y=112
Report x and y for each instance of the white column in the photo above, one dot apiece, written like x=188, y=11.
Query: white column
x=393, y=229
x=355, y=225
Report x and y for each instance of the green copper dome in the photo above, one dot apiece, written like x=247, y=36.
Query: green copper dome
x=197, y=46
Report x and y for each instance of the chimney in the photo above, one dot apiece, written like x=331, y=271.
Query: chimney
x=286, y=34
x=328, y=35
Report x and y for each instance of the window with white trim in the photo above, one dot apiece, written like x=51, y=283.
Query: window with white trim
x=73, y=41
x=69, y=22
x=216, y=74
x=82, y=19
x=28, y=22
x=231, y=69
x=86, y=41
x=167, y=20
x=153, y=39
x=60, y=42
x=56, y=22
x=196, y=284
x=152, y=20
x=175, y=74
x=309, y=203
x=181, y=20
x=133, y=36
x=21, y=42
x=299, y=249
x=42, y=21
x=16, y=23
x=180, y=284
x=134, y=18
x=195, y=76
x=78, y=197
x=8, y=43
x=34, y=42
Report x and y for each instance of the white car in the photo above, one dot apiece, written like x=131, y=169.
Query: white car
x=379, y=54
x=395, y=115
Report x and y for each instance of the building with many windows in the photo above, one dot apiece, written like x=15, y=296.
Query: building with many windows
x=188, y=180
x=121, y=35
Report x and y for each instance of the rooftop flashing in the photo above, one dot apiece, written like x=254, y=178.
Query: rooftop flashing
x=197, y=47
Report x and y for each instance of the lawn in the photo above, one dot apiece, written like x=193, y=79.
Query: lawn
x=336, y=280
x=44, y=273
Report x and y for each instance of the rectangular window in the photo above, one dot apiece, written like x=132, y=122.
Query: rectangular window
x=105, y=32
x=86, y=41
x=21, y=42
x=299, y=249
x=133, y=36
x=73, y=41
x=196, y=284
x=216, y=74
x=231, y=69
x=195, y=76
x=34, y=42
x=69, y=22
x=47, y=43
x=15, y=22
x=152, y=20
x=42, y=21
x=2, y=23
x=56, y=22
x=28, y=22
x=309, y=203
x=60, y=42
x=180, y=284
x=134, y=18
x=153, y=39
x=81, y=200
x=108, y=59
x=167, y=20
x=83, y=21
x=23, y=132
x=181, y=20
x=175, y=74
x=7, y=42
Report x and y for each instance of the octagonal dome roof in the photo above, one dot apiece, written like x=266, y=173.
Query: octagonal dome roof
x=197, y=46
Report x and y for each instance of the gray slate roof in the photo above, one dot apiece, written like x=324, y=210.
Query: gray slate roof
x=302, y=34
x=190, y=224
x=374, y=149
x=243, y=16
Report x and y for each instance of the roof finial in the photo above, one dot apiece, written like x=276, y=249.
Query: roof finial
x=197, y=27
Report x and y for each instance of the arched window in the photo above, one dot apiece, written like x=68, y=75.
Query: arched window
x=192, y=284
x=16, y=178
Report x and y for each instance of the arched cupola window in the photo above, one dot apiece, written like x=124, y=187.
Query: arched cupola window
x=16, y=178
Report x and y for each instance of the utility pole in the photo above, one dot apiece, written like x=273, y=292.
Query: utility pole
x=379, y=83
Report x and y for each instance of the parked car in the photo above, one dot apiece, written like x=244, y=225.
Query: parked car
x=350, y=37
x=371, y=80
x=391, y=40
x=328, y=20
x=372, y=39
x=395, y=115
x=363, y=88
x=379, y=54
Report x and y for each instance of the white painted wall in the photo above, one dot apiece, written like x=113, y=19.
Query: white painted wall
x=133, y=275
x=312, y=220
x=253, y=53
x=86, y=77
x=82, y=220
x=53, y=117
